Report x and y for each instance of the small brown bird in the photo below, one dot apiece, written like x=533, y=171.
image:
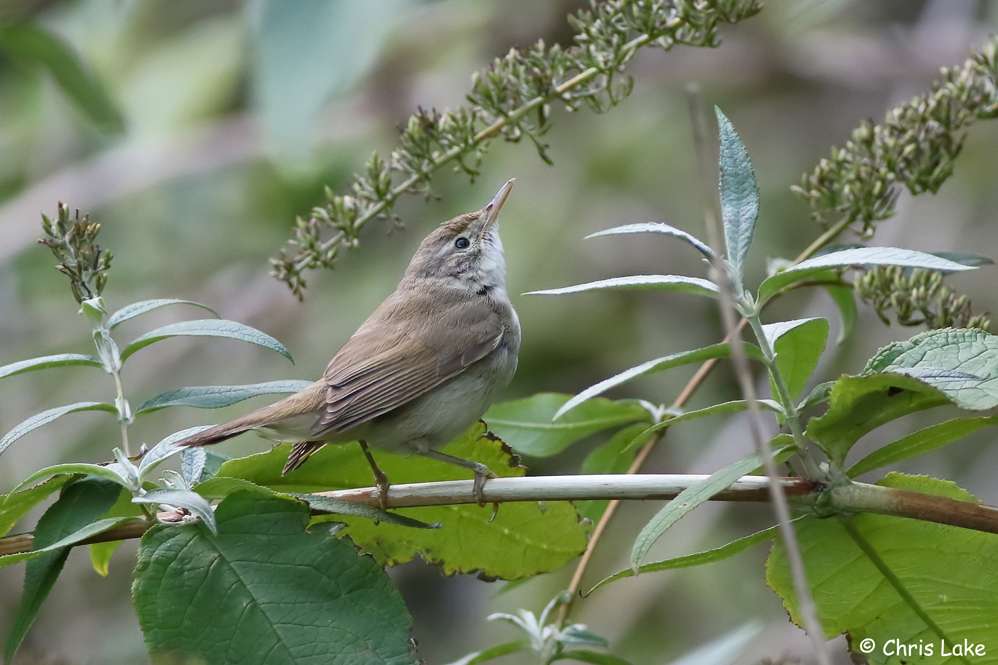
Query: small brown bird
x=423, y=367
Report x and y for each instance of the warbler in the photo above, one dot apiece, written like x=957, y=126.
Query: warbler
x=422, y=368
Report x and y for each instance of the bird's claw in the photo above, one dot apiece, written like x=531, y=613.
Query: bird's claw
x=482, y=474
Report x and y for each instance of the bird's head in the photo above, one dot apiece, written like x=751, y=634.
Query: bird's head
x=466, y=248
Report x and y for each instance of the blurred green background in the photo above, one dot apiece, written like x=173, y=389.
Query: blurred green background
x=234, y=115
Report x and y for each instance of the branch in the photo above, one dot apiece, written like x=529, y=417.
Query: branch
x=854, y=498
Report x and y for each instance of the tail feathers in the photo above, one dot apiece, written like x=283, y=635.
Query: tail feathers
x=299, y=453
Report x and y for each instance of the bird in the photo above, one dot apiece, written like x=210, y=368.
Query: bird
x=421, y=369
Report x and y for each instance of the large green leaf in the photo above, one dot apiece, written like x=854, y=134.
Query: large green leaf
x=57, y=360
x=138, y=308
x=526, y=424
x=35, y=45
x=612, y=456
x=659, y=228
x=524, y=539
x=80, y=505
x=932, y=579
x=739, y=194
x=680, y=283
x=924, y=440
x=216, y=397
x=13, y=506
x=207, y=328
x=798, y=345
x=971, y=353
x=265, y=591
x=687, y=500
x=45, y=417
x=856, y=256
x=101, y=553
x=719, y=350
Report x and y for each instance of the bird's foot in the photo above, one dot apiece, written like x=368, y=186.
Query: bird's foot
x=482, y=474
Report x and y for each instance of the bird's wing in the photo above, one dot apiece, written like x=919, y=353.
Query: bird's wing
x=401, y=353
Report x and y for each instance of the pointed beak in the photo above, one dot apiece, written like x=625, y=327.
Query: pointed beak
x=490, y=213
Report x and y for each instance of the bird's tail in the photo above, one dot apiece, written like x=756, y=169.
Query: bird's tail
x=301, y=452
x=301, y=403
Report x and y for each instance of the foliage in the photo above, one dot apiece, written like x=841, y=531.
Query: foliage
x=512, y=99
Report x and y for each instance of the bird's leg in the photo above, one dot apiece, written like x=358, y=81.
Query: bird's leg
x=379, y=476
x=482, y=472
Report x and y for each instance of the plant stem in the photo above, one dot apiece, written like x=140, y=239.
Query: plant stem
x=853, y=498
x=123, y=418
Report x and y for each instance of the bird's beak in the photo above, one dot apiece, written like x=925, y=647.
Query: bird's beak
x=490, y=213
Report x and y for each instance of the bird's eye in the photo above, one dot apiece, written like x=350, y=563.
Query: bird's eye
x=461, y=242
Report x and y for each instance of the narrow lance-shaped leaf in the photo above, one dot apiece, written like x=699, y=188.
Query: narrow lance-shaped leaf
x=719, y=350
x=84, y=532
x=923, y=441
x=138, y=308
x=15, y=504
x=846, y=302
x=656, y=227
x=166, y=448
x=859, y=256
x=526, y=424
x=798, y=346
x=216, y=397
x=739, y=194
x=57, y=360
x=586, y=656
x=207, y=328
x=725, y=650
x=493, y=652
x=734, y=406
x=191, y=501
x=45, y=417
x=687, y=500
x=72, y=469
x=325, y=504
x=680, y=283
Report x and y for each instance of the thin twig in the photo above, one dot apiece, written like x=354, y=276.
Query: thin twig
x=781, y=508
x=854, y=498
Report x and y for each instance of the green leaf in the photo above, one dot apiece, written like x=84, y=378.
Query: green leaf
x=92, y=529
x=586, y=656
x=921, y=442
x=101, y=553
x=207, y=328
x=971, y=352
x=798, y=346
x=493, y=652
x=719, y=350
x=844, y=300
x=739, y=194
x=680, y=283
x=690, y=560
x=734, y=406
x=325, y=504
x=81, y=504
x=57, y=360
x=939, y=575
x=859, y=404
x=526, y=424
x=138, y=308
x=105, y=472
x=612, y=456
x=687, y=500
x=47, y=416
x=858, y=256
x=198, y=464
x=216, y=397
x=525, y=539
x=14, y=505
x=165, y=449
x=656, y=227
x=193, y=502
x=34, y=45
x=265, y=590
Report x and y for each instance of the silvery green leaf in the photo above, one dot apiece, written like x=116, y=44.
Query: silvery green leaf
x=724, y=650
x=166, y=448
x=45, y=417
x=491, y=653
x=216, y=397
x=192, y=463
x=57, y=360
x=739, y=194
x=521, y=622
x=680, y=283
x=687, y=500
x=720, y=350
x=325, y=504
x=965, y=258
x=734, y=406
x=138, y=308
x=656, y=227
x=846, y=302
x=579, y=635
x=859, y=256
x=191, y=501
x=207, y=328
x=108, y=472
